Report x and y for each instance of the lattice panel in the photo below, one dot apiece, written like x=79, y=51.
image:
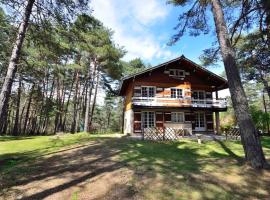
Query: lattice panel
x=161, y=134
x=233, y=133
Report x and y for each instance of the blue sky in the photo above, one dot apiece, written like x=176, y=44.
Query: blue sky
x=145, y=27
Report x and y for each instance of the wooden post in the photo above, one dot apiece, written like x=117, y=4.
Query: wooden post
x=217, y=117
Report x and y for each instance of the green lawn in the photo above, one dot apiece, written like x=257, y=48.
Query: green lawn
x=14, y=150
x=161, y=170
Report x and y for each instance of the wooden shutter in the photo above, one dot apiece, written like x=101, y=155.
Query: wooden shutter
x=188, y=117
x=209, y=121
x=192, y=120
x=159, y=92
x=159, y=119
x=187, y=92
x=209, y=117
x=167, y=116
x=167, y=92
x=137, y=122
x=208, y=95
x=137, y=91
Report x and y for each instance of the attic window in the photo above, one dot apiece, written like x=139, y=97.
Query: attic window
x=177, y=73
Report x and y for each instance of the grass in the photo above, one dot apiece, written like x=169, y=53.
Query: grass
x=187, y=170
x=14, y=150
x=162, y=170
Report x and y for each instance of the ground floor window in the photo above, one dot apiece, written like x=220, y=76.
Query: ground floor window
x=177, y=117
x=148, y=119
x=199, y=120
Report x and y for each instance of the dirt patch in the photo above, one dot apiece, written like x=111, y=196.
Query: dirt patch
x=88, y=172
x=120, y=168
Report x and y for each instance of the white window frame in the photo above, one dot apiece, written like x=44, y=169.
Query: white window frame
x=200, y=126
x=154, y=87
x=176, y=73
x=198, y=93
x=148, y=125
x=177, y=117
x=176, y=93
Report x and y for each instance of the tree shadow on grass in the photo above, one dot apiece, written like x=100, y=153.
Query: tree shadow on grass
x=215, y=176
x=230, y=152
x=10, y=160
x=96, y=159
x=167, y=170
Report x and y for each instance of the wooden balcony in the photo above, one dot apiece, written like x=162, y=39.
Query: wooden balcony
x=183, y=102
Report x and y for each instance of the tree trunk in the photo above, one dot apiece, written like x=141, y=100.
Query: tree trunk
x=94, y=100
x=265, y=111
x=12, y=67
x=18, y=102
x=75, y=103
x=88, y=98
x=67, y=105
x=263, y=79
x=249, y=136
x=28, y=109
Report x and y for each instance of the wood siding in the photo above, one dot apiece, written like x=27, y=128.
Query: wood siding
x=163, y=84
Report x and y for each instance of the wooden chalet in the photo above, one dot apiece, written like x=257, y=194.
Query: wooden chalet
x=177, y=94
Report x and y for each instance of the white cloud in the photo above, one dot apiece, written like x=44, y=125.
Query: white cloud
x=148, y=11
x=132, y=22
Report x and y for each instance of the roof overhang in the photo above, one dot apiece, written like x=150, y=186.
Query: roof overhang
x=223, y=83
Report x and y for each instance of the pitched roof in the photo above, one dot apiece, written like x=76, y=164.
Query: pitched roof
x=223, y=85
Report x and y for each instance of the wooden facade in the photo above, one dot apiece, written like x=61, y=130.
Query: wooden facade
x=176, y=94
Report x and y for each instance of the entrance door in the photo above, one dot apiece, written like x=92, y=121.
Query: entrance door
x=200, y=121
x=148, y=119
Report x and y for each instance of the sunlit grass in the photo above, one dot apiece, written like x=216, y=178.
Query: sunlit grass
x=181, y=169
x=16, y=149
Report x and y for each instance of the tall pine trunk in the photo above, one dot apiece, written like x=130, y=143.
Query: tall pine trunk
x=265, y=111
x=12, y=67
x=28, y=110
x=249, y=136
x=18, y=103
x=95, y=98
x=75, y=103
x=88, y=98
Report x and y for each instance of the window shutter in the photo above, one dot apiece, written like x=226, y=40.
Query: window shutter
x=159, y=119
x=208, y=95
x=167, y=92
x=188, y=117
x=137, y=91
x=159, y=92
x=167, y=117
x=137, y=122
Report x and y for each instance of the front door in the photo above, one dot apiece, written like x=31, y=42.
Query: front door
x=200, y=121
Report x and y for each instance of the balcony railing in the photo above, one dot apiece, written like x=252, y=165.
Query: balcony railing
x=183, y=102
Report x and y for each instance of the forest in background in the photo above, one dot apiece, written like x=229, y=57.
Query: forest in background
x=62, y=68
x=64, y=64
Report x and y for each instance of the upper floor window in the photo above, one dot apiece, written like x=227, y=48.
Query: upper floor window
x=148, y=91
x=176, y=93
x=198, y=95
x=177, y=72
x=177, y=117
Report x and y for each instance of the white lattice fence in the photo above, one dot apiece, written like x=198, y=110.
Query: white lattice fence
x=233, y=133
x=157, y=133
